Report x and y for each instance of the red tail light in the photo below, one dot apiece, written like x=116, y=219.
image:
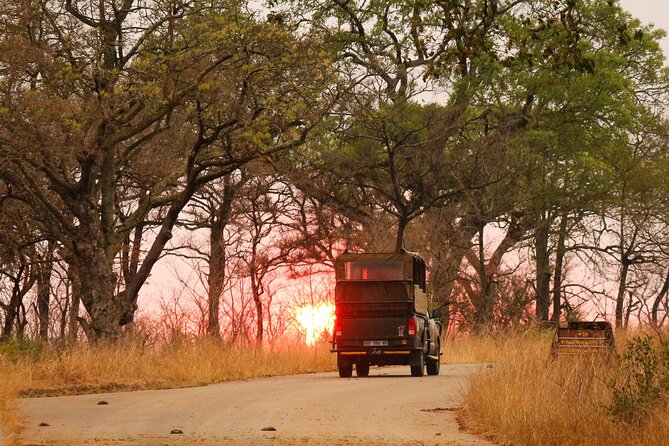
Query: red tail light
x=412, y=327
x=337, y=328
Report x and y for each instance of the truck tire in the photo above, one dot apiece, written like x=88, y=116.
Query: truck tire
x=345, y=371
x=432, y=365
x=362, y=368
x=419, y=370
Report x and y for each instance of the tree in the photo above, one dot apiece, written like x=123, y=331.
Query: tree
x=632, y=219
x=261, y=244
x=213, y=208
x=398, y=161
x=20, y=263
x=590, y=70
x=403, y=155
x=115, y=115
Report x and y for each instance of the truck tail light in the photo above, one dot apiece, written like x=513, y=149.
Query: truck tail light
x=337, y=328
x=412, y=327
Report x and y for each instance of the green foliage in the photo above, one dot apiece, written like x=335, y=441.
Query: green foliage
x=641, y=381
x=16, y=349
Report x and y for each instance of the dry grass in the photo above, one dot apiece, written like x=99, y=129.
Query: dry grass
x=9, y=419
x=497, y=348
x=202, y=362
x=525, y=399
x=81, y=369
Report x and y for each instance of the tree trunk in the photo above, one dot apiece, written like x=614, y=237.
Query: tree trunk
x=449, y=245
x=622, y=286
x=401, y=228
x=557, y=274
x=483, y=305
x=216, y=278
x=442, y=280
x=662, y=295
x=62, y=323
x=95, y=286
x=543, y=273
x=96, y=280
x=21, y=320
x=44, y=271
x=255, y=288
x=217, y=258
x=11, y=308
x=20, y=288
x=75, y=302
x=43, y=302
x=628, y=311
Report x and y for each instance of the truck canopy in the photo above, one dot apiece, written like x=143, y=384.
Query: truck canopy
x=381, y=278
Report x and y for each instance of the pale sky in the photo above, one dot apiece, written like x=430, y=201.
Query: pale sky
x=651, y=11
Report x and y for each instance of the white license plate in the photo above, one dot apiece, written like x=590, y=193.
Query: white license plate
x=374, y=343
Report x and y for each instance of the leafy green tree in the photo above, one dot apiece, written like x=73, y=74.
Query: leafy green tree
x=632, y=219
x=403, y=158
x=589, y=76
x=538, y=95
x=114, y=115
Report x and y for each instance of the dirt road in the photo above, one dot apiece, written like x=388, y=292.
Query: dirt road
x=387, y=408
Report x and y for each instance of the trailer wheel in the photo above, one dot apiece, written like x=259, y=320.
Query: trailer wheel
x=362, y=368
x=432, y=365
x=345, y=371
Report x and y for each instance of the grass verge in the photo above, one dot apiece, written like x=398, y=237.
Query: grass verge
x=503, y=347
x=527, y=399
x=81, y=369
x=9, y=420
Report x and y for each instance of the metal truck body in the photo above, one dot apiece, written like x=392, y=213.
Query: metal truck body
x=382, y=315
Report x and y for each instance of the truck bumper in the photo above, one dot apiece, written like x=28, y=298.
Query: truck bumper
x=405, y=356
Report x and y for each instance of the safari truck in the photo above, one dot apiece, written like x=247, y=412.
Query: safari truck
x=382, y=315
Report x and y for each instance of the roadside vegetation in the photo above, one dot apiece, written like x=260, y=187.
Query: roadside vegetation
x=494, y=348
x=9, y=418
x=527, y=399
x=521, y=398
x=251, y=143
x=27, y=369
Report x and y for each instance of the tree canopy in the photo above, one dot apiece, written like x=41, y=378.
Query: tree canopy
x=428, y=125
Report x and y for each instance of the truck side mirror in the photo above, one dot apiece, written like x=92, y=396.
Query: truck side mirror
x=437, y=313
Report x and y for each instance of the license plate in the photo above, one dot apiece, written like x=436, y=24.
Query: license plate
x=374, y=343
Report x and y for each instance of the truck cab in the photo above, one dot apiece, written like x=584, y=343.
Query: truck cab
x=382, y=315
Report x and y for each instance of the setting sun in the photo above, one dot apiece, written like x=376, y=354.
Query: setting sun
x=313, y=320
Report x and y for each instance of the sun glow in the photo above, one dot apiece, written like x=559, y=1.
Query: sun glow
x=314, y=320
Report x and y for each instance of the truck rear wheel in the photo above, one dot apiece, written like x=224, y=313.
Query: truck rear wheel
x=432, y=365
x=345, y=371
x=419, y=370
x=362, y=368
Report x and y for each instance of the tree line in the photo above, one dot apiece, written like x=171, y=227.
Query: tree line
x=519, y=145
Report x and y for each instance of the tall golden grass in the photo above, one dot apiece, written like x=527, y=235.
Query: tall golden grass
x=522, y=399
x=501, y=347
x=527, y=399
x=9, y=417
x=128, y=365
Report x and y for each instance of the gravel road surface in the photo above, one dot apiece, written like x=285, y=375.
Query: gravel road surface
x=388, y=408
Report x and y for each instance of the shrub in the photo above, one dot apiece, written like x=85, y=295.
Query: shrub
x=641, y=380
x=16, y=349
